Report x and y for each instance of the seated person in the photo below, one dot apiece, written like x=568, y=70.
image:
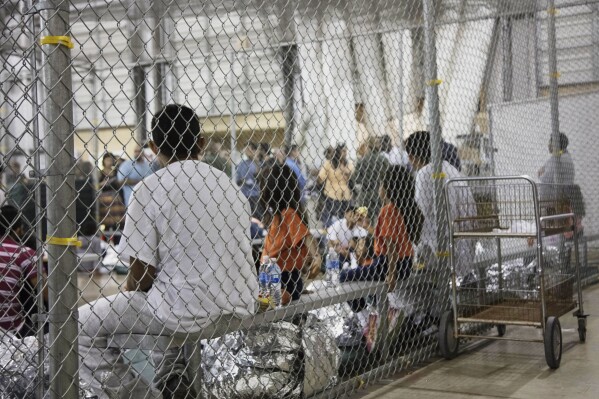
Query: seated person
x=362, y=263
x=18, y=274
x=288, y=240
x=398, y=226
x=187, y=242
x=342, y=232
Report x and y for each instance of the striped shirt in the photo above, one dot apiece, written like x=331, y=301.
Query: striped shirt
x=17, y=265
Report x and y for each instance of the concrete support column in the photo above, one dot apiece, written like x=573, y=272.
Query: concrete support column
x=393, y=52
x=370, y=65
x=314, y=114
x=338, y=85
x=432, y=98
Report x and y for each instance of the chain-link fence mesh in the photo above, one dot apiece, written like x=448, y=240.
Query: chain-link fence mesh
x=244, y=199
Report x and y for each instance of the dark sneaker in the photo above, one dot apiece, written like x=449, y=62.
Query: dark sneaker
x=178, y=387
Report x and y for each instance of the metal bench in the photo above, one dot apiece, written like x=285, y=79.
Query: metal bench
x=192, y=343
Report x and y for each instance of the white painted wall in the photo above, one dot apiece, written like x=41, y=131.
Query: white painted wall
x=521, y=130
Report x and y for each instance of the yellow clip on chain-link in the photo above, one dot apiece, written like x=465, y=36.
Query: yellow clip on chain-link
x=434, y=82
x=361, y=382
x=444, y=254
x=553, y=11
x=61, y=40
x=65, y=242
x=555, y=75
x=441, y=175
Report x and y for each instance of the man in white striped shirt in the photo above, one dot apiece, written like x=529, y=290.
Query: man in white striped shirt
x=17, y=268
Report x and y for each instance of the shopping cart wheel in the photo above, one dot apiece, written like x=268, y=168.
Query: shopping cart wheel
x=582, y=329
x=553, y=342
x=448, y=343
x=500, y=330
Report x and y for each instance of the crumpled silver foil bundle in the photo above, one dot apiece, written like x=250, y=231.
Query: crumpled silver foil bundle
x=337, y=318
x=18, y=367
x=19, y=377
x=321, y=356
x=262, y=362
x=519, y=277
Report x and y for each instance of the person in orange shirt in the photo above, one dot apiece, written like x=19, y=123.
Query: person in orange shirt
x=398, y=227
x=288, y=239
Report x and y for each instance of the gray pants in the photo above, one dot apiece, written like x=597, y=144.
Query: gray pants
x=103, y=368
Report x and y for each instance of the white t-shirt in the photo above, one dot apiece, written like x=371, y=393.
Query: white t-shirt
x=340, y=231
x=462, y=204
x=397, y=156
x=193, y=224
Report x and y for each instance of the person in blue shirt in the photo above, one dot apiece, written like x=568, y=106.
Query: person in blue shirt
x=245, y=177
x=292, y=160
x=133, y=171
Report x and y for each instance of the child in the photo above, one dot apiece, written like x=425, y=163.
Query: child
x=398, y=226
x=288, y=239
x=91, y=244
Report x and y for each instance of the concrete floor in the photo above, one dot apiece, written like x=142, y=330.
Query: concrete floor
x=503, y=369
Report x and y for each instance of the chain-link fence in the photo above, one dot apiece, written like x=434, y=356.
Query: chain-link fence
x=308, y=253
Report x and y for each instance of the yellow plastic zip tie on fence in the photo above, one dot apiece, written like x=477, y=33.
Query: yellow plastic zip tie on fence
x=552, y=11
x=439, y=175
x=443, y=254
x=361, y=382
x=65, y=242
x=59, y=40
x=434, y=82
x=555, y=75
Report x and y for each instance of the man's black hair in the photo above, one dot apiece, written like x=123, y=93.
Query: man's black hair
x=108, y=155
x=288, y=149
x=252, y=145
x=265, y=148
x=418, y=145
x=10, y=220
x=386, y=144
x=176, y=130
x=89, y=228
x=279, y=189
x=563, y=141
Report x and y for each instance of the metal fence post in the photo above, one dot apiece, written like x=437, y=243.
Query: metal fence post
x=553, y=85
x=289, y=71
x=57, y=123
x=432, y=96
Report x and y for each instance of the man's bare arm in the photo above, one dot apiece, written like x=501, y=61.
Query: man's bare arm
x=141, y=275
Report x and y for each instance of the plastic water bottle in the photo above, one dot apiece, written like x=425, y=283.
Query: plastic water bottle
x=263, y=280
x=332, y=272
x=274, y=279
x=273, y=272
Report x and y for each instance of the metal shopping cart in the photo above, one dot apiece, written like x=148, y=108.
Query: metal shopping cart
x=537, y=295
